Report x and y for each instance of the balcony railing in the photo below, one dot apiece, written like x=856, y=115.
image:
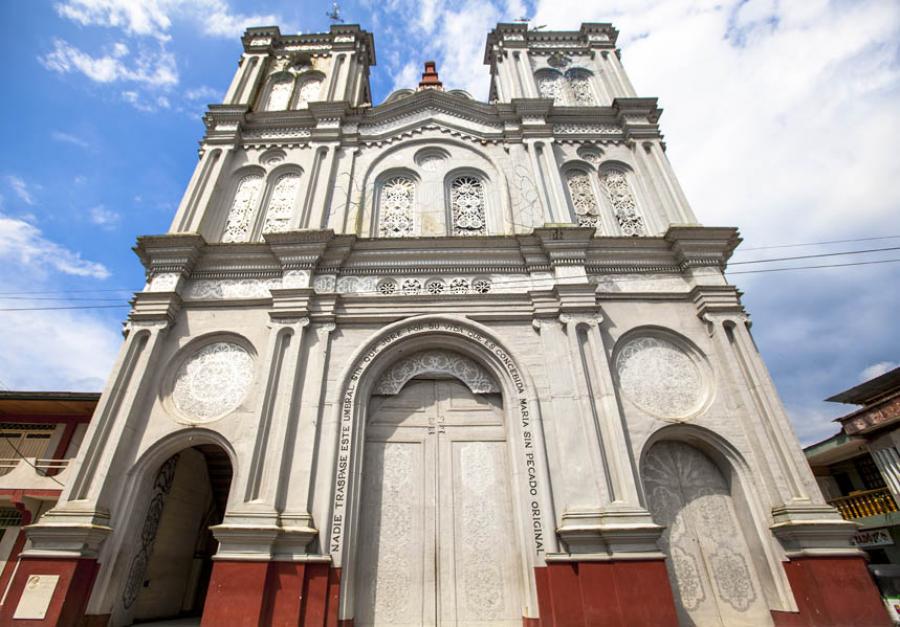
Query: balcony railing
x=36, y=474
x=863, y=504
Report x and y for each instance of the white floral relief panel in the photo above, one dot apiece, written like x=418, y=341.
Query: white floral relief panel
x=621, y=199
x=280, y=94
x=280, y=207
x=390, y=552
x=472, y=374
x=213, y=381
x=580, y=83
x=583, y=200
x=308, y=91
x=467, y=205
x=397, y=203
x=243, y=208
x=708, y=559
x=553, y=86
x=486, y=573
x=660, y=378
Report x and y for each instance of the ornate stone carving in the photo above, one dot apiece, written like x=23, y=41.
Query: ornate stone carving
x=688, y=495
x=659, y=377
x=280, y=94
x=618, y=193
x=583, y=200
x=443, y=362
x=467, y=205
x=218, y=289
x=552, y=85
x=162, y=485
x=559, y=60
x=435, y=287
x=163, y=282
x=243, y=207
x=290, y=132
x=213, y=381
x=280, y=207
x=396, y=205
x=580, y=85
x=308, y=89
x=324, y=284
x=586, y=129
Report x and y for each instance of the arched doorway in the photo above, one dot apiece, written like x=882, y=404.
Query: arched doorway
x=169, y=575
x=708, y=559
x=437, y=533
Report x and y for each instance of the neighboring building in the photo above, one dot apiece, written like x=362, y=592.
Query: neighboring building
x=439, y=361
x=40, y=433
x=858, y=471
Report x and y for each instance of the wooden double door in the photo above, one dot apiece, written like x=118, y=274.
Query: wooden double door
x=437, y=542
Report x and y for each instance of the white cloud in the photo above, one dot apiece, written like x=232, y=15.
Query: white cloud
x=20, y=187
x=154, y=18
x=69, y=138
x=877, y=369
x=104, y=217
x=150, y=68
x=23, y=246
x=204, y=92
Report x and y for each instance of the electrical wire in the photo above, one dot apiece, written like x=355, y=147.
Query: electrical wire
x=36, y=469
x=836, y=241
x=835, y=265
x=816, y=256
x=58, y=308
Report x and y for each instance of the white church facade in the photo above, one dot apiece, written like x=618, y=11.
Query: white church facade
x=438, y=361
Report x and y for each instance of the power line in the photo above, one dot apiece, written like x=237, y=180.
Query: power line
x=58, y=308
x=123, y=289
x=817, y=255
x=835, y=265
x=836, y=241
x=65, y=298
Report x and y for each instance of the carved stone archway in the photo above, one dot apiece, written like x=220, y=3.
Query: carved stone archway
x=415, y=339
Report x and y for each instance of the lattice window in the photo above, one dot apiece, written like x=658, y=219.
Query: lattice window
x=467, y=205
x=580, y=86
x=240, y=216
x=280, y=94
x=280, y=207
x=459, y=286
x=412, y=286
x=24, y=440
x=396, y=206
x=435, y=286
x=583, y=200
x=308, y=91
x=10, y=517
x=552, y=85
x=388, y=287
x=618, y=193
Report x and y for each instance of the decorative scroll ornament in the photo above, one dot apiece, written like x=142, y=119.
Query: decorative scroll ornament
x=246, y=198
x=213, y=382
x=583, y=200
x=441, y=362
x=618, y=193
x=280, y=94
x=659, y=377
x=397, y=201
x=280, y=209
x=134, y=583
x=467, y=205
x=308, y=91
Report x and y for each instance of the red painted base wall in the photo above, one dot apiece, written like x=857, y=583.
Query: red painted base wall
x=611, y=594
x=832, y=591
x=69, y=602
x=280, y=594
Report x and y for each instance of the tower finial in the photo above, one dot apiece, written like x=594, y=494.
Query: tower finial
x=430, y=79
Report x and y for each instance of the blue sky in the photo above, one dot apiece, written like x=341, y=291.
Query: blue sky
x=781, y=118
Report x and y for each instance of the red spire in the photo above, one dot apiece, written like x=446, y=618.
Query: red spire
x=430, y=78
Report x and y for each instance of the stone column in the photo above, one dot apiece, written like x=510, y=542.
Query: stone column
x=198, y=190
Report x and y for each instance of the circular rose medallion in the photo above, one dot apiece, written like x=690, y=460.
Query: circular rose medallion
x=659, y=377
x=213, y=381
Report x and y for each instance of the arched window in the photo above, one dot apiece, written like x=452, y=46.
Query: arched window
x=580, y=85
x=467, y=205
x=396, y=204
x=308, y=88
x=581, y=193
x=280, y=91
x=621, y=198
x=280, y=207
x=552, y=84
x=243, y=207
